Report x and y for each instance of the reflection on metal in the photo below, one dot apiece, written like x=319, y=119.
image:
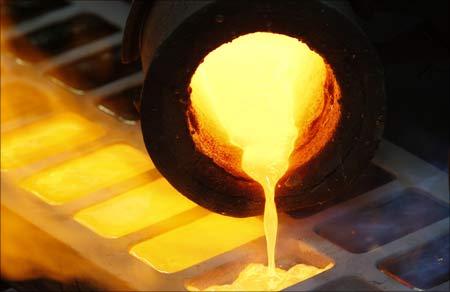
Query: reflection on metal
x=81, y=176
x=46, y=138
x=196, y=242
x=134, y=210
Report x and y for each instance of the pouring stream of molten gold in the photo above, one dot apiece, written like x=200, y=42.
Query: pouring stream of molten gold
x=260, y=93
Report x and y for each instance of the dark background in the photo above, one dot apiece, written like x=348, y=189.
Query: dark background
x=411, y=37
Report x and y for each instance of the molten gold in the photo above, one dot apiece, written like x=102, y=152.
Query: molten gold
x=256, y=277
x=252, y=101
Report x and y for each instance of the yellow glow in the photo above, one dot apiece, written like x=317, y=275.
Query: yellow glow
x=81, y=176
x=259, y=93
x=134, y=210
x=255, y=278
x=253, y=102
x=46, y=138
x=196, y=242
x=19, y=99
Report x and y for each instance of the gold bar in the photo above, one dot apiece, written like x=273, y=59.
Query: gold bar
x=81, y=176
x=134, y=210
x=196, y=242
x=46, y=138
x=20, y=99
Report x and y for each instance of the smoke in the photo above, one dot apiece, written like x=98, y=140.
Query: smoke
x=29, y=253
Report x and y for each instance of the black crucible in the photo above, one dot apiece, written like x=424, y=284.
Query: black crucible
x=173, y=37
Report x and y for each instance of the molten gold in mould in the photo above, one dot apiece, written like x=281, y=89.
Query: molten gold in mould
x=259, y=105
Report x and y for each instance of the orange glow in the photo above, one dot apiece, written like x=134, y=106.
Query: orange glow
x=262, y=91
x=81, y=176
x=20, y=99
x=254, y=102
x=196, y=242
x=46, y=138
x=4, y=25
x=134, y=210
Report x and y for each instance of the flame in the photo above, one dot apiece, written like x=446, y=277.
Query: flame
x=252, y=102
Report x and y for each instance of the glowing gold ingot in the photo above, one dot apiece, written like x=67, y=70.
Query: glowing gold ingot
x=196, y=242
x=46, y=138
x=19, y=99
x=134, y=210
x=81, y=176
